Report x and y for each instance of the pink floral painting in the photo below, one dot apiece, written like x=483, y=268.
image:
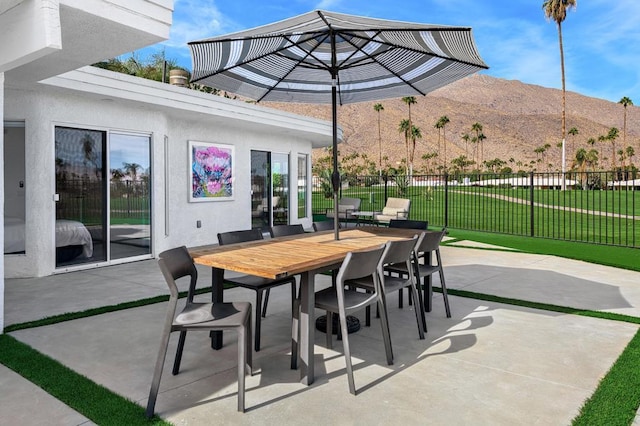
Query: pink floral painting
x=211, y=171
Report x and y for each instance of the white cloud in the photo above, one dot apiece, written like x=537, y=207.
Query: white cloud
x=327, y=4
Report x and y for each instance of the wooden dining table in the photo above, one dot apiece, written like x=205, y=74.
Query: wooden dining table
x=305, y=255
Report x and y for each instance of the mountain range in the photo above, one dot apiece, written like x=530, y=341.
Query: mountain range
x=516, y=119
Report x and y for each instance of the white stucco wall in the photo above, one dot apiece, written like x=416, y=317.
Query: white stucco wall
x=45, y=107
x=2, y=204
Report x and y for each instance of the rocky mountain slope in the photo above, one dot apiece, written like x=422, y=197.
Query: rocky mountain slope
x=516, y=118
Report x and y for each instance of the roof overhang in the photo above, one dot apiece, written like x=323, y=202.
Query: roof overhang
x=44, y=38
x=187, y=104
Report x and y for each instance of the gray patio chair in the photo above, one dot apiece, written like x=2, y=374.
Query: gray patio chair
x=340, y=301
x=428, y=244
x=395, y=252
x=175, y=264
x=325, y=225
x=285, y=230
x=422, y=225
x=252, y=282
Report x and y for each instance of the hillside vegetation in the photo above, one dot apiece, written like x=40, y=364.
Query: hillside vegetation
x=516, y=119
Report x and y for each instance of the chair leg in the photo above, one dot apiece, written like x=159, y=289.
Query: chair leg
x=265, y=303
x=258, y=321
x=400, y=301
x=444, y=294
x=367, y=316
x=329, y=330
x=421, y=303
x=178, y=359
x=157, y=373
x=381, y=307
x=243, y=350
x=419, y=311
x=247, y=344
x=295, y=333
x=347, y=352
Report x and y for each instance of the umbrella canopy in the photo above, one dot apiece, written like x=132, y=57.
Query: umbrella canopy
x=327, y=57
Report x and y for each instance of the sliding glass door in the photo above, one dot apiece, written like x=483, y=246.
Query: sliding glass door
x=269, y=189
x=103, y=208
x=81, y=196
x=130, y=195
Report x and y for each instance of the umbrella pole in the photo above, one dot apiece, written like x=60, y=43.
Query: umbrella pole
x=335, y=176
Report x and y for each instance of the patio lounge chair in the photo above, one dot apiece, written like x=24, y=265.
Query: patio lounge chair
x=346, y=206
x=175, y=264
x=395, y=208
x=262, y=209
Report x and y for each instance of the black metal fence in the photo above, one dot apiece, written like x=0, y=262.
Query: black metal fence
x=84, y=200
x=592, y=207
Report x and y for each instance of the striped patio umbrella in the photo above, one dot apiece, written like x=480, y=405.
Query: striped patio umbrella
x=327, y=57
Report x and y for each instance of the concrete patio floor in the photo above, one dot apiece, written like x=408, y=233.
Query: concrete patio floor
x=490, y=364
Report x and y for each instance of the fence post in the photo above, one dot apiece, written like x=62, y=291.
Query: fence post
x=386, y=182
x=446, y=200
x=531, y=218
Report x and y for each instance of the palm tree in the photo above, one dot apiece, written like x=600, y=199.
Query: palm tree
x=602, y=138
x=625, y=101
x=377, y=108
x=444, y=120
x=131, y=169
x=630, y=153
x=416, y=133
x=580, y=163
x=481, y=138
x=410, y=100
x=573, y=132
x=403, y=128
x=557, y=10
x=466, y=138
x=477, y=127
x=438, y=126
x=611, y=137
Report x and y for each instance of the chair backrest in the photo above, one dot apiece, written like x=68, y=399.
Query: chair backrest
x=398, y=207
x=360, y=264
x=284, y=230
x=325, y=225
x=409, y=224
x=430, y=241
x=175, y=264
x=234, y=237
x=398, y=251
x=353, y=203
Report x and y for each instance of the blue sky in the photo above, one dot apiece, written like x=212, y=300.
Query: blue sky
x=601, y=37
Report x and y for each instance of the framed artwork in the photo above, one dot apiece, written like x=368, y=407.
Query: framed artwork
x=211, y=171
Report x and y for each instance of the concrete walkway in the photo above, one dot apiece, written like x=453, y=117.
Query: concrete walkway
x=490, y=364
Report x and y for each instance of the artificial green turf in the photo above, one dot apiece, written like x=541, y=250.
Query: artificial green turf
x=619, y=257
x=93, y=401
x=617, y=397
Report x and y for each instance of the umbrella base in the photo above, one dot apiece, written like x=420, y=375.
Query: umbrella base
x=353, y=324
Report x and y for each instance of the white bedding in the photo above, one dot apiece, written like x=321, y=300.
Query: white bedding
x=68, y=233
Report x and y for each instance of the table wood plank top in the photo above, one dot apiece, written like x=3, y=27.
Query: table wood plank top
x=285, y=256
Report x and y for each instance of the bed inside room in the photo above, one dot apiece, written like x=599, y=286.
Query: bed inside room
x=73, y=239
